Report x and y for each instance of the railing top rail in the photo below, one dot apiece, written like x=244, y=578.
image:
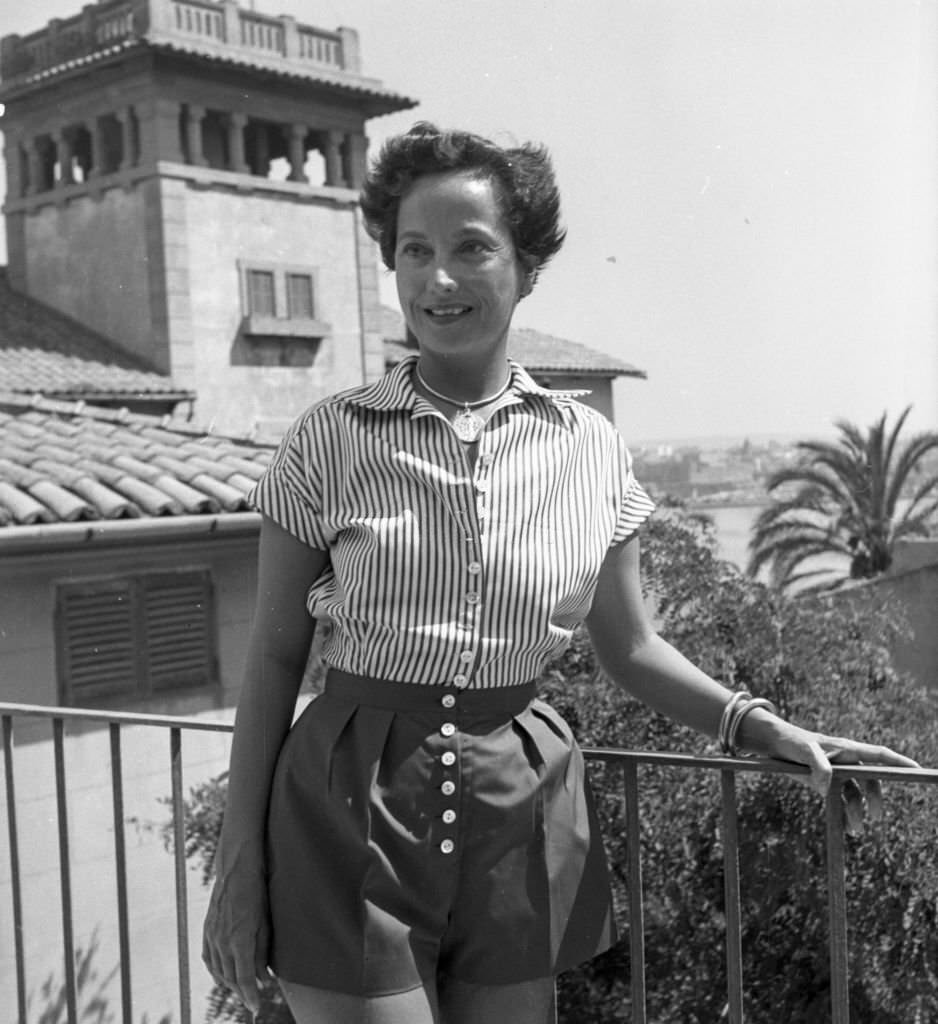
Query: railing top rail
x=116, y=717
x=606, y=754
x=754, y=764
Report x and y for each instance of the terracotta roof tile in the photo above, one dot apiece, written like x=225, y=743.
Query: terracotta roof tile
x=536, y=351
x=65, y=462
x=43, y=351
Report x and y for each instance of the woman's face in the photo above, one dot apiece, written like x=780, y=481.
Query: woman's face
x=459, y=276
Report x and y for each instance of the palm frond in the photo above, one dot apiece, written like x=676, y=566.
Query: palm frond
x=907, y=463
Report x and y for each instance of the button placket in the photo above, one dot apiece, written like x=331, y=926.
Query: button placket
x=449, y=786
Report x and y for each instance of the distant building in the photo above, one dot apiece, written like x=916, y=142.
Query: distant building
x=182, y=180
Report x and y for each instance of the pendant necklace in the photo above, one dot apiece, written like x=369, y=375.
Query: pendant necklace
x=467, y=426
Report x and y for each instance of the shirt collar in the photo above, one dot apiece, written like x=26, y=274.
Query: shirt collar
x=395, y=390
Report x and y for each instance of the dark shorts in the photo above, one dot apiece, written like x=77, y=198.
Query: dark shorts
x=422, y=830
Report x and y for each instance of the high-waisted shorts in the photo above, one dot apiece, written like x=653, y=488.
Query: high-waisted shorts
x=417, y=831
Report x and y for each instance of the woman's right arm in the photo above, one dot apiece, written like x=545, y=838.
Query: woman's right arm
x=236, y=926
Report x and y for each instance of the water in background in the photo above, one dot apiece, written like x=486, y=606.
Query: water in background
x=733, y=528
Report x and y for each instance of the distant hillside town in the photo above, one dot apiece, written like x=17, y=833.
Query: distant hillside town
x=713, y=475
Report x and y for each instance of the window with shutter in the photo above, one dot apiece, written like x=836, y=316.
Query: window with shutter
x=261, y=294
x=135, y=636
x=299, y=296
x=279, y=301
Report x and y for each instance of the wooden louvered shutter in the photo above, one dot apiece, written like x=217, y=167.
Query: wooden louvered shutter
x=261, y=293
x=96, y=633
x=300, y=296
x=135, y=636
x=179, y=625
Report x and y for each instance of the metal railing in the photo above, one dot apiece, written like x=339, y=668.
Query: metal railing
x=626, y=761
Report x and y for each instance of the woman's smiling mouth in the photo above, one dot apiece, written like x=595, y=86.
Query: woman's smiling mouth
x=446, y=312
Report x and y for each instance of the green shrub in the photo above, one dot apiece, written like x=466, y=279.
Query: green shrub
x=824, y=662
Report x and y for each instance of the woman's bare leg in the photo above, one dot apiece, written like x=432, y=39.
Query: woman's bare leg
x=321, y=1006
x=528, y=1002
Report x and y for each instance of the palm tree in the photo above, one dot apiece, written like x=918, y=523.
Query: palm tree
x=846, y=501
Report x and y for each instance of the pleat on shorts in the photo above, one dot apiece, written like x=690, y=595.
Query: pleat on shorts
x=417, y=831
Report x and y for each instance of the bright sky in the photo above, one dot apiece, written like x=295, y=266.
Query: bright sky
x=750, y=186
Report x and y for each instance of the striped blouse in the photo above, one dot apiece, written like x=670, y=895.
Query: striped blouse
x=440, y=572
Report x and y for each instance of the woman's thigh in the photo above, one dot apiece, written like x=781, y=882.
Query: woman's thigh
x=320, y=1006
x=526, y=1002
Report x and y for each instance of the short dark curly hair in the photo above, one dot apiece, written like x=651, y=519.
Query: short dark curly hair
x=523, y=175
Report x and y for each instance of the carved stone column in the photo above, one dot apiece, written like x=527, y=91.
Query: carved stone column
x=13, y=151
x=296, y=140
x=97, y=148
x=124, y=117
x=194, y=115
x=355, y=152
x=236, y=125
x=333, y=154
x=63, y=151
x=33, y=167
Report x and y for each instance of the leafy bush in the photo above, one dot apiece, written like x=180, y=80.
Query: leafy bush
x=827, y=664
x=824, y=661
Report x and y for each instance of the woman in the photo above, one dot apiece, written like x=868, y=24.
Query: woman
x=421, y=846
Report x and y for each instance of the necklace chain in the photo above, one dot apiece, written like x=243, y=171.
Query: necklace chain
x=458, y=402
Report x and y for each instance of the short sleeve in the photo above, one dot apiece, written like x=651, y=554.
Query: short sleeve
x=291, y=490
x=634, y=505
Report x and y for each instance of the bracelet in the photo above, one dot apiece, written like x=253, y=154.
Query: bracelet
x=733, y=730
x=729, y=713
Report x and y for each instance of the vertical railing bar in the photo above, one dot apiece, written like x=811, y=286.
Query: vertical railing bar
x=17, y=894
x=120, y=863
x=65, y=873
x=837, y=906
x=179, y=857
x=734, y=947
x=636, y=909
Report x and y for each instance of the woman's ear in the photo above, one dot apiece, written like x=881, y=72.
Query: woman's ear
x=529, y=274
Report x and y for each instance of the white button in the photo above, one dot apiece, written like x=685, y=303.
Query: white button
x=449, y=816
x=448, y=700
x=448, y=788
x=460, y=680
x=447, y=846
x=487, y=460
x=480, y=512
x=482, y=486
x=472, y=597
x=475, y=568
x=448, y=758
x=466, y=657
x=447, y=728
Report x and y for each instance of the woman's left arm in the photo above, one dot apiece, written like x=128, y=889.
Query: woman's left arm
x=634, y=656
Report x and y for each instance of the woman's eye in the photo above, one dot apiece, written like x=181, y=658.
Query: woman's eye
x=413, y=250
x=475, y=248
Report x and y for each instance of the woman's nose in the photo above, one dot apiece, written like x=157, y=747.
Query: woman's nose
x=442, y=279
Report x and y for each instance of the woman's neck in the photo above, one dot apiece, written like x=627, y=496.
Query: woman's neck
x=462, y=381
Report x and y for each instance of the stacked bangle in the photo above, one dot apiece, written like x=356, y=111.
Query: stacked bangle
x=737, y=707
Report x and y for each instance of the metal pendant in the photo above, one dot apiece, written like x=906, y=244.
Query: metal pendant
x=467, y=426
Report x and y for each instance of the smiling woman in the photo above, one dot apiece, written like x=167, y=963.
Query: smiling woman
x=421, y=846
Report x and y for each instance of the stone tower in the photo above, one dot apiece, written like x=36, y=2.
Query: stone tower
x=182, y=178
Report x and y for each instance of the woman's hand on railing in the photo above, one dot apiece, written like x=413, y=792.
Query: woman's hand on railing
x=787, y=742
x=237, y=930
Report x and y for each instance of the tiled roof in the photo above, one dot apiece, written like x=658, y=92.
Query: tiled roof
x=62, y=462
x=536, y=351
x=43, y=351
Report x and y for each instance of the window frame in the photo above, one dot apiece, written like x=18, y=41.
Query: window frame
x=281, y=324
